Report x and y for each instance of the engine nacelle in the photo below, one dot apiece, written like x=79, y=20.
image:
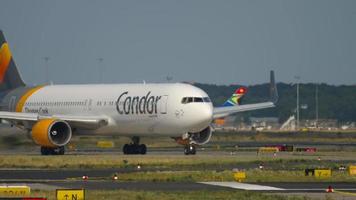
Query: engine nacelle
x=198, y=138
x=201, y=137
x=51, y=133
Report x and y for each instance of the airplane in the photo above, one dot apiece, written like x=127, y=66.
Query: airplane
x=52, y=114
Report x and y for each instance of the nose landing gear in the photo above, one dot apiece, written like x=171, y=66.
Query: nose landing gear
x=190, y=150
x=135, y=147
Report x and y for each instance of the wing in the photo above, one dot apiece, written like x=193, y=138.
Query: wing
x=76, y=121
x=220, y=112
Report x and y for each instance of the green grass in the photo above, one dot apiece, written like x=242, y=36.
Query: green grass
x=253, y=176
x=177, y=195
x=179, y=162
x=280, y=136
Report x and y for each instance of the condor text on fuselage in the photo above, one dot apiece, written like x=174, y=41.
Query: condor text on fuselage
x=147, y=104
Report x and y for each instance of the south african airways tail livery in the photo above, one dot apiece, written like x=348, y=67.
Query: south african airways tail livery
x=235, y=99
x=52, y=114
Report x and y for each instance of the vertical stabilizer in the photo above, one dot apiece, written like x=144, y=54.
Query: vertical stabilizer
x=9, y=76
x=234, y=100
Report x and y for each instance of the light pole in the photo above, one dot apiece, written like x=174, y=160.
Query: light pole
x=169, y=78
x=101, y=69
x=46, y=59
x=298, y=79
x=316, y=105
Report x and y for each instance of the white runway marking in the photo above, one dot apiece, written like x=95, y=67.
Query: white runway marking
x=323, y=189
x=243, y=186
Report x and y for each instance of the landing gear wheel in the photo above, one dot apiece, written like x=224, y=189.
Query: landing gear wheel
x=52, y=151
x=190, y=150
x=126, y=149
x=134, y=149
x=186, y=150
x=45, y=151
x=193, y=150
x=58, y=151
x=142, y=149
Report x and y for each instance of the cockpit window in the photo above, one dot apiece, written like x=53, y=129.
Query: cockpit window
x=187, y=100
x=207, y=99
x=198, y=99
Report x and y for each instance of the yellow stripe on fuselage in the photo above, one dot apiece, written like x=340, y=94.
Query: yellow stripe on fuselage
x=24, y=98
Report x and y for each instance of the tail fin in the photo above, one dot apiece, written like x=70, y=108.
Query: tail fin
x=236, y=97
x=9, y=75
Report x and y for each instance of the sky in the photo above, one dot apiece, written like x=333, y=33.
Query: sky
x=218, y=42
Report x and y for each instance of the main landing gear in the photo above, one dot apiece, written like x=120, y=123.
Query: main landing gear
x=190, y=150
x=135, y=147
x=52, y=151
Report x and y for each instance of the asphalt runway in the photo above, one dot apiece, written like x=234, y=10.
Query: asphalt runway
x=100, y=179
x=243, y=147
x=42, y=174
x=107, y=173
x=114, y=185
x=288, y=187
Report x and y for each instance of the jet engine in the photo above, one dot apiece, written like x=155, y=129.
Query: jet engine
x=201, y=137
x=51, y=133
x=198, y=138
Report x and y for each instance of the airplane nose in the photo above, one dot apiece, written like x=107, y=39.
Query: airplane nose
x=201, y=117
x=205, y=115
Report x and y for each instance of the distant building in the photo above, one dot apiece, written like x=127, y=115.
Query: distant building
x=348, y=126
x=264, y=123
x=323, y=124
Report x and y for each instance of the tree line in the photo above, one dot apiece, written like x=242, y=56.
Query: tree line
x=334, y=102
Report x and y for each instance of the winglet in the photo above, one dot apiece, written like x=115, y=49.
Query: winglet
x=273, y=89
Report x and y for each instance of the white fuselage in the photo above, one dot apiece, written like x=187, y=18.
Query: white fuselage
x=131, y=109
